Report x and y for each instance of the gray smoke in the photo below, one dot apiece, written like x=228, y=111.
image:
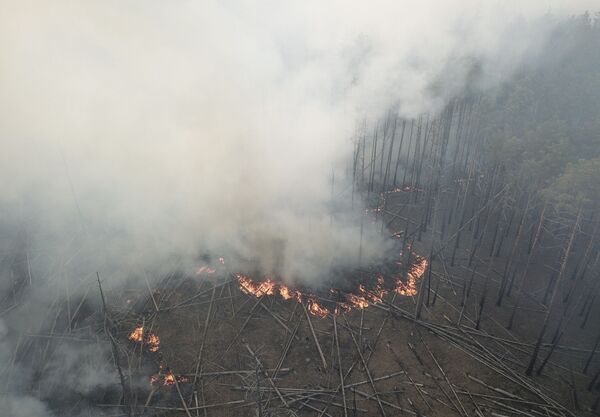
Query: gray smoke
x=137, y=135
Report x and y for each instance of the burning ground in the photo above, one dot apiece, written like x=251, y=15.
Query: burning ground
x=361, y=288
x=231, y=345
x=234, y=325
x=138, y=137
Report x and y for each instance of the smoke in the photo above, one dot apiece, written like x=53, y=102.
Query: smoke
x=139, y=135
x=133, y=131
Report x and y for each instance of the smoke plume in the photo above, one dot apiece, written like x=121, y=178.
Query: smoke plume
x=137, y=136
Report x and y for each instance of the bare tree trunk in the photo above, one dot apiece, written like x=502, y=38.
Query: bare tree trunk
x=373, y=159
x=592, y=353
x=115, y=351
x=399, y=152
x=563, y=267
x=410, y=140
x=389, y=160
x=513, y=252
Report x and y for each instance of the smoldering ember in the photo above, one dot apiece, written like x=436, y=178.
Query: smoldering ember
x=329, y=209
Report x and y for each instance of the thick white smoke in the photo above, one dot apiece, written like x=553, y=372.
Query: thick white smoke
x=140, y=134
x=132, y=130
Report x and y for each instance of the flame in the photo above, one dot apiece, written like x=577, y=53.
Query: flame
x=315, y=309
x=169, y=379
x=361, y=298
x=375, y=296
x=267, y=287
x=136, y=334
x=287, y=294
x=249, y=287
x=150, y=340
x=205, y=270
x=415, y=272
x=153, y=342
x=341, y=308
x=270, y=287
x=357, y=301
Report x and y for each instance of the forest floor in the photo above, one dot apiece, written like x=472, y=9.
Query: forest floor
x=232, y=354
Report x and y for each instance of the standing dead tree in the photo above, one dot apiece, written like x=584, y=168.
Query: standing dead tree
x=561, y=274
x=108, y=329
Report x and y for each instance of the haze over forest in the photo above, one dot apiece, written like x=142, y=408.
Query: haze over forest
x=141, y=141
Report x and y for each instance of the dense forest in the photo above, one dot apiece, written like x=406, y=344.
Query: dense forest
x=543, y=127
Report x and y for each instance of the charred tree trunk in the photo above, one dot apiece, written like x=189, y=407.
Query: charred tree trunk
x=399, y=152
x=561, y=273
x=513, y=252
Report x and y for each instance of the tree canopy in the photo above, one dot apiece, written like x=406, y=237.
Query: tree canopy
x=543, y=126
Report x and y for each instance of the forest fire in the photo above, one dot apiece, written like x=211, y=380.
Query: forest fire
x=136, y=334
x=316, y=310
x=415, y=272
x=152, y=343
x=151, y=340
x=342, y=301
x=168, y=379
x=205, y=270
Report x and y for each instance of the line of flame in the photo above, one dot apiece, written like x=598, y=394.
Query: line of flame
x=361, y=299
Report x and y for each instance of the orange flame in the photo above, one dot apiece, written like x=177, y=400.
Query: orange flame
x=169, y=379
x=361, y=298
x=139, y=336
x=315, y=309
x=205, y=270
x=248, y=286
x=153, y=342
x=136, y=334
x=414, y=274
x=357, y=301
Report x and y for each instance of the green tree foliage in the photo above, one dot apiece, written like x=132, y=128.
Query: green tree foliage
x=538, y=155
x=543, y=126
x=579, y=185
